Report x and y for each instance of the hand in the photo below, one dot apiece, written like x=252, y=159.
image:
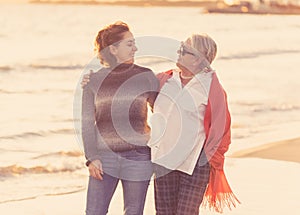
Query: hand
x=86, y=79
x=95, y=169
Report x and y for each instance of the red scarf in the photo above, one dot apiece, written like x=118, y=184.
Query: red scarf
x=217, y=129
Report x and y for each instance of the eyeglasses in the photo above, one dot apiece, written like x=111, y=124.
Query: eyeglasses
x=183, y=51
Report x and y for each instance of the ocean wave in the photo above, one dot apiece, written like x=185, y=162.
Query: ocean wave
x=73, y=190
x=56, y=67
x=60, y=154
x=257, y=54
x=63, y=120
x=260, y=107
x=5, y=91
x=246, y=103
x=281, y=107
x=240, y=136
x=17, y=200
x=151, y=60
x=5, y=68
x=36, y=91
x=38, y=134
x=14, y=170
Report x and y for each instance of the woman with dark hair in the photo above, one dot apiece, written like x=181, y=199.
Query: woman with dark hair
x=114, y=123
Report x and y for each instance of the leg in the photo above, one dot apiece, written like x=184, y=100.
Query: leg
x=134, y=193
x=191, y=190
x=135, y=165
x=166, y=192
x=99, y=194
x=135, y=174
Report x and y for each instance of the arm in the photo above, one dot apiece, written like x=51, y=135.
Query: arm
x=89, y=134
x=153, y=89
x=222, y=131
x=88, y=124
x=152, y=97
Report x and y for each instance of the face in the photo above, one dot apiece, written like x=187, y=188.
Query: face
x=188, y=57
x=124, y=51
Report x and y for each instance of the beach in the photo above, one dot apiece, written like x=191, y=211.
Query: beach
x=49, y=47
x=287, y=150
x=263, y=171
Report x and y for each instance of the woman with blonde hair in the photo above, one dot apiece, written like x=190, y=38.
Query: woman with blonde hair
x=188, y=149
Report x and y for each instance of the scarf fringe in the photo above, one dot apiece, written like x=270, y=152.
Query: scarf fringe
x=220, y=201
x=219, y=194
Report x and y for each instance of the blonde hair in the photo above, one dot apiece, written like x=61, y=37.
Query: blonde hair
x=205, y=45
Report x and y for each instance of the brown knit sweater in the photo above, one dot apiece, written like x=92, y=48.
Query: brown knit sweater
x=114, y=109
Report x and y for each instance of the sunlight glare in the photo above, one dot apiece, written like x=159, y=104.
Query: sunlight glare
x=229, y=2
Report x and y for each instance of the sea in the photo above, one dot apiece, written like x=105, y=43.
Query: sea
x=46, y=48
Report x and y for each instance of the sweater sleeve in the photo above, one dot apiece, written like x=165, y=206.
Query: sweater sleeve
x=88, y=125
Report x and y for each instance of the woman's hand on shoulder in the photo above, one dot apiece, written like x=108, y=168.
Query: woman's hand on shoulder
x=95, y=169
x=86, y=79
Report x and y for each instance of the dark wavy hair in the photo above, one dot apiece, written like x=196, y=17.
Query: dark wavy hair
x=109, y=35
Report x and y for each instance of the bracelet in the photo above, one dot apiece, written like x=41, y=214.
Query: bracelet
x=88, y=162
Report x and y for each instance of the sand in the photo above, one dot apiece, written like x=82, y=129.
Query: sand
x=287, y=150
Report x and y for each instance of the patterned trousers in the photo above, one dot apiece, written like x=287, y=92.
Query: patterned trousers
x=177, y=193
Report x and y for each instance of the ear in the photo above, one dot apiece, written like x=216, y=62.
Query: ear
x=197, y=62
x=203, y=63
x=113, y=50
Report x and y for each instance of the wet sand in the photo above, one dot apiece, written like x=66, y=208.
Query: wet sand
x=287, y=150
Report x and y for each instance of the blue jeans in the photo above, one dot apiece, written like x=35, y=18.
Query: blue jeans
x=134, y=169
